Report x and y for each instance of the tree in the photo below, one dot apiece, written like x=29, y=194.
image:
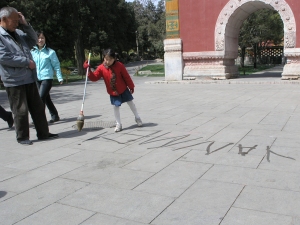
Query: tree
x=150, y=20
x=49, y=17
x=258, y=30
x=75, y=25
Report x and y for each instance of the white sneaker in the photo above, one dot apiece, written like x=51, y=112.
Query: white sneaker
x=139, y=122
x=118, y=128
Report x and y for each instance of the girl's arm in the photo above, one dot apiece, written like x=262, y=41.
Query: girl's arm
x=96, y=75
x=127, y=77
x=93, y=76
x=56, y=66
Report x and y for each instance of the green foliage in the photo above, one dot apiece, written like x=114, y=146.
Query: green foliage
x=66, y=63
x=259, y=30
x=151, y=22
x=95, y=62
x=75, y=25
x=154, y=68
x=261, y=27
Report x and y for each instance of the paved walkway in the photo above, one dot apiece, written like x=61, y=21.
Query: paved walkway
x=208, y=153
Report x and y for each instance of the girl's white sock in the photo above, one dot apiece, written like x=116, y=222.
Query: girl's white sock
x=117, y=114
x=133, y=109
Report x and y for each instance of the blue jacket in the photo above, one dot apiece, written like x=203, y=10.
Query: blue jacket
x=15, y=57
x=46, y=63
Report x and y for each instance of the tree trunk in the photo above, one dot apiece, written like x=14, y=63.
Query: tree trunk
x=255, y=55
x=80, y=57
x=242, y=63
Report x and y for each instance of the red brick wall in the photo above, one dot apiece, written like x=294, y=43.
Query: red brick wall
x=198, y=20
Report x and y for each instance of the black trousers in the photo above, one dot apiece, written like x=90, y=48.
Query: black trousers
x=44, y=90
x=4, y=114
x=24, y=99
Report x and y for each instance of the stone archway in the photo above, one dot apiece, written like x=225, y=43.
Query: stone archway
x=228, y=27
x=204, y=43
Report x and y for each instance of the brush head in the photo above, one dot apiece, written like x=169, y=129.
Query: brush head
x=81, y=116
x=80, y=124
x=80, y=121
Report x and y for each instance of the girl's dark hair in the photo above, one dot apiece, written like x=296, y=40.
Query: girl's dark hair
x=47, y=42
x=110, y=52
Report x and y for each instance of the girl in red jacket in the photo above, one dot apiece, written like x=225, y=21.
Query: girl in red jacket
x=119, y=85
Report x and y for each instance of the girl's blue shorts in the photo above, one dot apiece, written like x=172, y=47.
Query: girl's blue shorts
x=126, y=96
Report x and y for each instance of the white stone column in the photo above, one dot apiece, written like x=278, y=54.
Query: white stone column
x=173, y=59
x=291, y=69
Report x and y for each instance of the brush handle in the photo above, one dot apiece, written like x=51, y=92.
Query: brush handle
x=86, y=76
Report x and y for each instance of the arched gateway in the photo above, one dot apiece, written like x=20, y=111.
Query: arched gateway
x=202, y=36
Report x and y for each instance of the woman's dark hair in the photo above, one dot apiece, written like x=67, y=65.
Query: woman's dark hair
x=47, y=42
x=111, y=53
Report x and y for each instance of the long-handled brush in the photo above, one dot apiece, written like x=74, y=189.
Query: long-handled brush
x=80, y=118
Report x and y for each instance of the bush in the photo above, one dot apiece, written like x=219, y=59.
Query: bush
x=65, y=71
x=66, y=63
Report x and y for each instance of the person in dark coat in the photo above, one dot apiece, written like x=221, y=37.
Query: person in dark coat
x=18, y=74
x=6, y=116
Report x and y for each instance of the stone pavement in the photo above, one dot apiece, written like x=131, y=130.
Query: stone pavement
x=211, y=153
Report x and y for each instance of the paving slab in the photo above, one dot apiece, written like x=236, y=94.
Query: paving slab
x=102, y=159
x=7, y=173
x=210, y=152
x=42, y=159
x=57, y=214
x=25, y=204
x=156, y=160
x=127, y=204
x=240, y=216
x=281, y=158
x=112, y=176
x=38, y=176
x=254, y=177
x=105, y=219
x=175, y=179
x=206, y=202
x=269, y=200
x=223, y=158
x=254, y=145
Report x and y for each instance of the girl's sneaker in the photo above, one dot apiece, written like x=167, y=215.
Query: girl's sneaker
x=118, y=128
x=139, y=122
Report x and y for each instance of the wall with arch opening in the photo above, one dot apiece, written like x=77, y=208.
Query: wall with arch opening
x=209, y=31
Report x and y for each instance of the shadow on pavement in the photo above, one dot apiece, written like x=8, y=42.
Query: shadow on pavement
x=2, y=194
x=8, y=129
x=72, y=119
x=144, y=125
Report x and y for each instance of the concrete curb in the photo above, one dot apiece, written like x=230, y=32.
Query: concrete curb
x=223, y=82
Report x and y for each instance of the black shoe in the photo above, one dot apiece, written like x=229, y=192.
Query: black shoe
x=53, y=135
x=25, y=142
x=54, y=120
x=49, y=136
x=10, y=120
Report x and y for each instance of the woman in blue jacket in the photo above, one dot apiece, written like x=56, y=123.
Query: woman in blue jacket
x=46, y=63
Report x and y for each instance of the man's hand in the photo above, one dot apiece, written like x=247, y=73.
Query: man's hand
x=22, y=19
x=31, y=65
x=86, y=65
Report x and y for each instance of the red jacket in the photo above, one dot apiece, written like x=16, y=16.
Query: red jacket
x=123, y=79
